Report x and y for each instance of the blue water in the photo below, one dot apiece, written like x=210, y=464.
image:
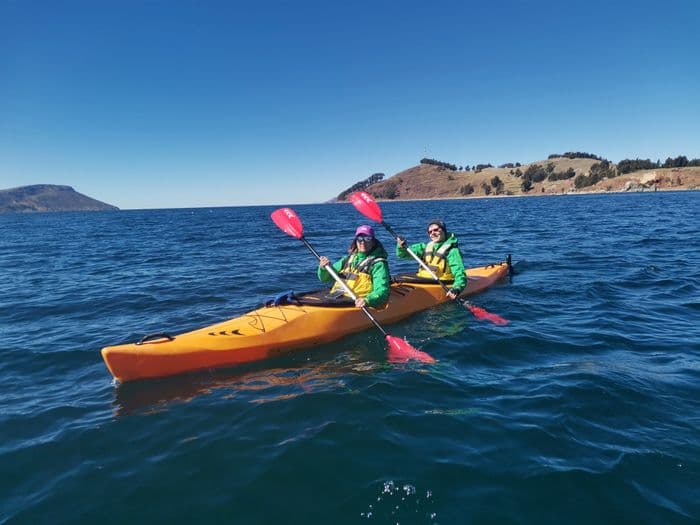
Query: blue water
x=584, y=409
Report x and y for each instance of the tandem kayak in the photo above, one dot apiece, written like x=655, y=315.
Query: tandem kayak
x=289, y=324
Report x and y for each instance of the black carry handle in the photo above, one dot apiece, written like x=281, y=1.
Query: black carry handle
x=150, y=337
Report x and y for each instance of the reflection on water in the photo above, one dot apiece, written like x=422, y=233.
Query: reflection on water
x=259, y=385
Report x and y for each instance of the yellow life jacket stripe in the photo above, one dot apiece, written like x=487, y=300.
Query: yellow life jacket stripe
x=436, y=260
x=357, y=277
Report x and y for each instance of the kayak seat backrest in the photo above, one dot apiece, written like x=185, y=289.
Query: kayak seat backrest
x=312, y=298
x=413, y=278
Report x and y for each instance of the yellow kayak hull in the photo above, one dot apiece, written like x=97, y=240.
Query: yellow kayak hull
x=273, y=330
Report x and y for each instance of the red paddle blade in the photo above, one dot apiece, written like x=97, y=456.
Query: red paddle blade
x=400, y=351
x=287, y=221
x=366, y=205
x=482, y=314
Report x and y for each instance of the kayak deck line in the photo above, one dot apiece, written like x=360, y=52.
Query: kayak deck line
x=272, y=330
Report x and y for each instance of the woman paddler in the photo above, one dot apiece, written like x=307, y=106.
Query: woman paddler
x=365, y=269
x=441, y=254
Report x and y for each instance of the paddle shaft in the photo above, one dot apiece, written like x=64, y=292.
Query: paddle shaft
x=342, y=283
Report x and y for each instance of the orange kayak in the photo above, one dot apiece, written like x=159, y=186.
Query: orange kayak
x=275, y=329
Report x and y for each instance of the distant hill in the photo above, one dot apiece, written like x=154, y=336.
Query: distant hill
x=48, y=197
x=553, y=176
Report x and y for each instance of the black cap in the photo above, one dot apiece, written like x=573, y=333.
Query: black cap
x=439, y=222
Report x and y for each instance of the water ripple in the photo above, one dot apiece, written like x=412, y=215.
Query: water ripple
x=582, y=410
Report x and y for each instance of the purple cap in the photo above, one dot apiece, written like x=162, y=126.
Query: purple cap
x=364, y=230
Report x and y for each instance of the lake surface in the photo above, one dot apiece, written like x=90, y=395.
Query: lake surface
x=584, y=409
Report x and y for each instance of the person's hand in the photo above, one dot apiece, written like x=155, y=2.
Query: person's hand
x=360, y=302
x=401, y=242
x=323, y=262
x=452, y=295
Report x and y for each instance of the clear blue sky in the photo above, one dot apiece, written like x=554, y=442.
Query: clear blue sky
x=153, y=104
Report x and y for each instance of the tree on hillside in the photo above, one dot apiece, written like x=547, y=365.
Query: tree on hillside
x=389, y=190
x=467, y=189
x=372, y=179
x=562, y=175
x=679, y=162
x=575, y=155
x=438, y=163
x=581, y=181
x=628, y=166
x=535, y=173
x=497, y=184
x=480, y=167
x=599, y=171
x=604, y=170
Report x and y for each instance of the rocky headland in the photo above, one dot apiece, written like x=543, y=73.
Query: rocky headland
x=554, y=176
x=48, y=197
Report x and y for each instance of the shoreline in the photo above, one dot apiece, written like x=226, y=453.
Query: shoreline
x=525, y=195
